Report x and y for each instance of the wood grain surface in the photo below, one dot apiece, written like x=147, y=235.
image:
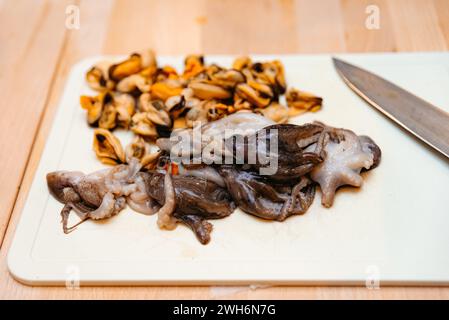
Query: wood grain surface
x=37, y=51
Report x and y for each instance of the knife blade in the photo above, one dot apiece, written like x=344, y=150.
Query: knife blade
x=419, y=117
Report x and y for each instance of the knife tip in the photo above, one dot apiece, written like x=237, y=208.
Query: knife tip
x=337, y=61
x=341, y=65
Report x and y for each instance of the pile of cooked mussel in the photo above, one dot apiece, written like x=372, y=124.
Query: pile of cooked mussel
x=151, y=100
x=197, y=186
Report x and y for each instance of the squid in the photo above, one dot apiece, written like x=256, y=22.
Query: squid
x=99, y=195
x=188, y=199
x=345, y=156
x=306, y=156
x=257, y=196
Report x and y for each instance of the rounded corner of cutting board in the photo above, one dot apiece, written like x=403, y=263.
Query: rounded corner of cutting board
x=24, y=275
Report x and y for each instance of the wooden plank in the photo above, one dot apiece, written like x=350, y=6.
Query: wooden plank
x=319, y=26
x=252, y=26
x=28, y=59
x=109, y=26
x=442, y=10
x=416, y=25
x=360, y=34
x=168, y=27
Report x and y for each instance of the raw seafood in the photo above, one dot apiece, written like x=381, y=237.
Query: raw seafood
x=150, y=100
x=274, y=167
x=188, y=199
x=98, y=195
x=196, y=199
x=192, y=193
x=257, y=196
x=346, y=154
x=289, y=143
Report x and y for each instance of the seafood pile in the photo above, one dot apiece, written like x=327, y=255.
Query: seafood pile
x=223, y=142
x=151, y=100
x=188, y=192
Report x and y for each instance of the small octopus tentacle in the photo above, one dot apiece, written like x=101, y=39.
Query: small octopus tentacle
x=199, y=226
x=65, y=213
x=327, y=194
x=297, y=195
x=146, y=206
x=300, y=196
x=165, y=218
x=106, y=209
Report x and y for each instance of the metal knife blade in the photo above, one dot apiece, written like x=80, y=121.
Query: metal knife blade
x=422, y=119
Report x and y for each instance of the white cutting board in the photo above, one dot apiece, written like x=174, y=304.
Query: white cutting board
x=394, y=230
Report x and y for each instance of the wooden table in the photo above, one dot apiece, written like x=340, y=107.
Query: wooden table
x=37, y=51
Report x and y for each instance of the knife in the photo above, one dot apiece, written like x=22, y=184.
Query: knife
x=419, y=117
